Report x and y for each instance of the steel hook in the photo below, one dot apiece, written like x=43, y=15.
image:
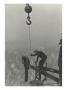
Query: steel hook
x=28, y=22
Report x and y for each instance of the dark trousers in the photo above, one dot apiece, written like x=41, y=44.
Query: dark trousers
x=60, y=74
x=26, y=75
x=60, y=69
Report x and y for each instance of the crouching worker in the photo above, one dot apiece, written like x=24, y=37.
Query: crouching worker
x=26, y=62
x=40, y=55
x=43, y=58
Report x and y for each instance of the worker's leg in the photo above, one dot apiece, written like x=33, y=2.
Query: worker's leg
x=45, y=77
x=60, y=74
x=26, y=75
x=39, y=75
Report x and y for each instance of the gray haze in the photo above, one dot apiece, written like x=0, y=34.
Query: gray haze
x=45, y=29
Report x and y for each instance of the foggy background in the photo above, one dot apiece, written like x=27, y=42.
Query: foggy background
x=45, y=35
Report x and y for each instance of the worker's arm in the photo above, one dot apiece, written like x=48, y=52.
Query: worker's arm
x=36, y=59
x=33, y=54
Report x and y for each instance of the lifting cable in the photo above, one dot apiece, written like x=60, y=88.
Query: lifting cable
x=29, y=39
x=28, y=10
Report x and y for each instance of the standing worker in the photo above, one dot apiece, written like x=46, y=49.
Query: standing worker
x=26, y=62
x=60, y=62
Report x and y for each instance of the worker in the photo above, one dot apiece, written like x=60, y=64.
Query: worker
x=26, y=62
x=43, y=57
x=60, y=62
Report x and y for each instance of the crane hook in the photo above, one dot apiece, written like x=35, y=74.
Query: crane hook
x=28, y=22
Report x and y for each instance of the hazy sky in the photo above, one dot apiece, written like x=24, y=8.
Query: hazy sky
x=45, y=29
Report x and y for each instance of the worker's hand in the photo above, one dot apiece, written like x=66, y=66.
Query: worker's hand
x=22, y=62
x=32, y=54
x=35, y=62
